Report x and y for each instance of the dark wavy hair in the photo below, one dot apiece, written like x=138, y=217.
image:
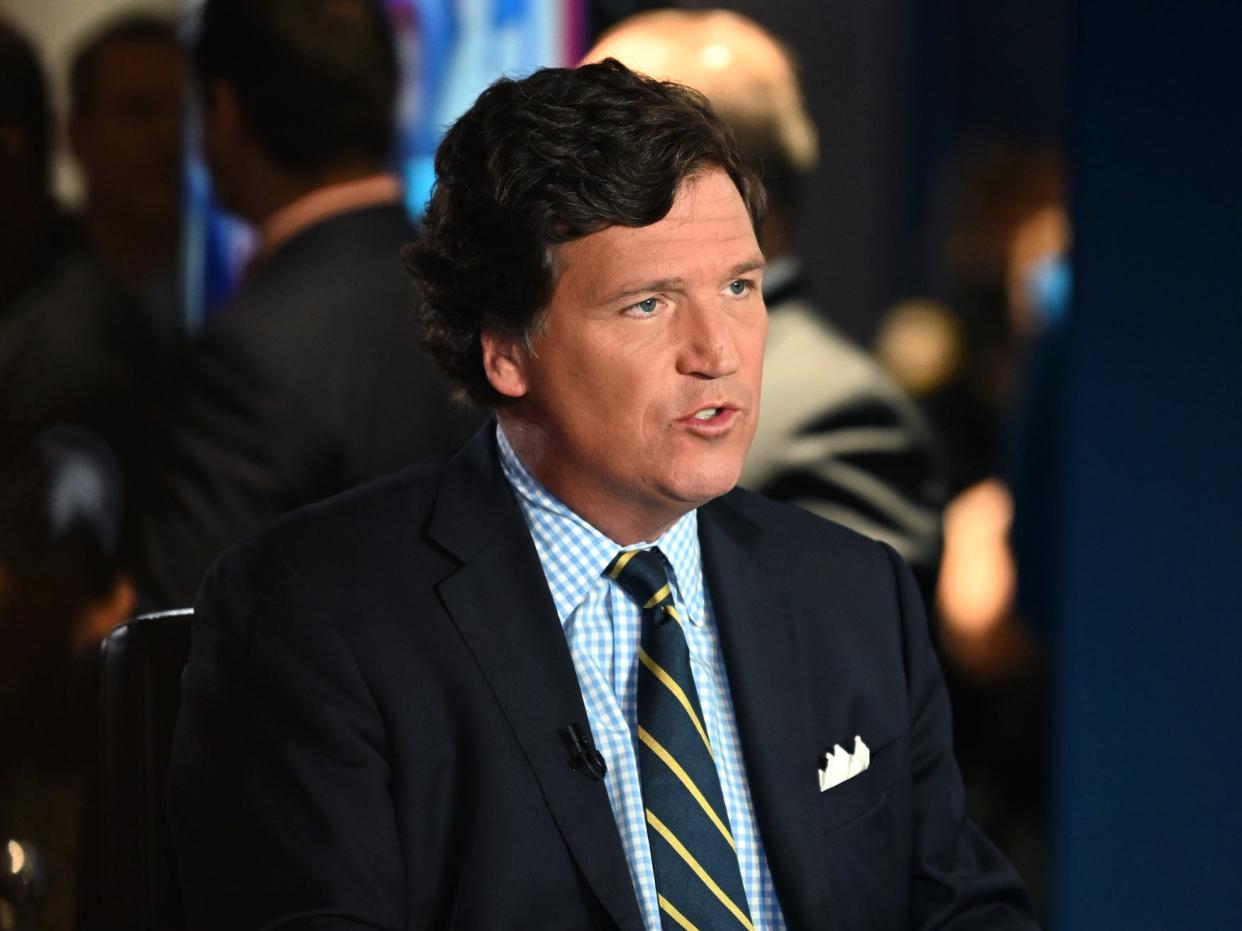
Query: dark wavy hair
x=542, y=161
x=316, y=80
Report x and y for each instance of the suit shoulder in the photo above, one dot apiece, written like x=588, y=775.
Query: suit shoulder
x=365, y=512
x=807, y=556
x=303, y=578
x=347, y=263
x=788, y=526
x=318, y=542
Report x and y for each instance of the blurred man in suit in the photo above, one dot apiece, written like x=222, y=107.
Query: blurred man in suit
x=570, y=677
x=311, y=380
x=837, y=436
x=89, y=341
x=125, y=134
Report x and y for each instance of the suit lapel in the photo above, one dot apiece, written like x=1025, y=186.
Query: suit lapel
x=771, y=700
x=501, y=605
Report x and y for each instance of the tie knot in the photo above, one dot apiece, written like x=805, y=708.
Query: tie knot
x=642, y=576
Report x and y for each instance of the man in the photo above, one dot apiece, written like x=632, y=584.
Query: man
x=125, y=134
x=88, y=343
x=33, y=231
x=567, y=678
x=310, y=381
x=837, y=436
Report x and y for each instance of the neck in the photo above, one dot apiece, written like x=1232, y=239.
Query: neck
x=625, y=528
x=624, y=522
x=133, y=253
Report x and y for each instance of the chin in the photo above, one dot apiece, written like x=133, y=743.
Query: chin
x=700, y=488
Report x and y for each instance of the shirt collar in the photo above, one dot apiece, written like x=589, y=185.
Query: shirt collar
x=574, y=553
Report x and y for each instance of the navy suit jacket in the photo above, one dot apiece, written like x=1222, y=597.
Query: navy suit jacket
x=369, y=729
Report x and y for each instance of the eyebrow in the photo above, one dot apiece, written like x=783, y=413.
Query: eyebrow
x=672, y=284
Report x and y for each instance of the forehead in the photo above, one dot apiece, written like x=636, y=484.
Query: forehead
x=707, y=231
x=124, y=61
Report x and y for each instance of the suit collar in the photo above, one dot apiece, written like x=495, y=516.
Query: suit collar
x=766, y=665
x=501, y=605
x=473, y=501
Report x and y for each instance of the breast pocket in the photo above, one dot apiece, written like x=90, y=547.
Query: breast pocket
x=866, y=837
x=856, y=796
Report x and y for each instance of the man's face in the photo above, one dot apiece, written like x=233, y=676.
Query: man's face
x=129, y=140
x=639, y=394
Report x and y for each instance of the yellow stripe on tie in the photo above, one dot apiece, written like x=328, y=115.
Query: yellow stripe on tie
x=694, y=864
x=671, y=684
x=672, y=612
x=656, y=598
x=657, y=748
x=677, y=916
x=621, y=562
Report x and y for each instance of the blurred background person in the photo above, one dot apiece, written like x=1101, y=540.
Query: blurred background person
x=311, y=380
x=984, y=366
x=836, y=435
x=977, y=363
x=960, y=350
x=77, y=351
x=88, y=342
x=124, y=132
x=34, y=232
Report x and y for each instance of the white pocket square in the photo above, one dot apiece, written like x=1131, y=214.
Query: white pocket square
x=840, y=766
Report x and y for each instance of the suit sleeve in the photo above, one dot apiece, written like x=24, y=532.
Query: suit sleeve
x=959, y=880
x=278, y=799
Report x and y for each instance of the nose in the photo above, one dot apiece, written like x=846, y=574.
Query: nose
x=708, y=343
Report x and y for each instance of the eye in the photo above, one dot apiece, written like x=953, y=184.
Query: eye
x=739, y=287
x=647, y=306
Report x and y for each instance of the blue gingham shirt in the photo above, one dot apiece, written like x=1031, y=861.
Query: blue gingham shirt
x=604, y=628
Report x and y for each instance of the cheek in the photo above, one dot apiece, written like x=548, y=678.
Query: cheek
x=756, y=336
x=752, y=354
x=614, y=382
x=592, y=399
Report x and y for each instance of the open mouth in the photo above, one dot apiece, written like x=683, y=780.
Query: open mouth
x=714, y=417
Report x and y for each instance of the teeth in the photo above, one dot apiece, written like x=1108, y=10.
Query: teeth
x=707, y=414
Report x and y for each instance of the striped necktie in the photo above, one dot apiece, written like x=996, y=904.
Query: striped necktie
x=698, y=880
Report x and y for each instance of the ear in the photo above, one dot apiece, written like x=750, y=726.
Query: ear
x=504, y=362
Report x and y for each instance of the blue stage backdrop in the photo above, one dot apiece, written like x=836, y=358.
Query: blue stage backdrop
x=1149, y=711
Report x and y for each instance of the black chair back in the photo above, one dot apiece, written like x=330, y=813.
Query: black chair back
x=141, y=690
